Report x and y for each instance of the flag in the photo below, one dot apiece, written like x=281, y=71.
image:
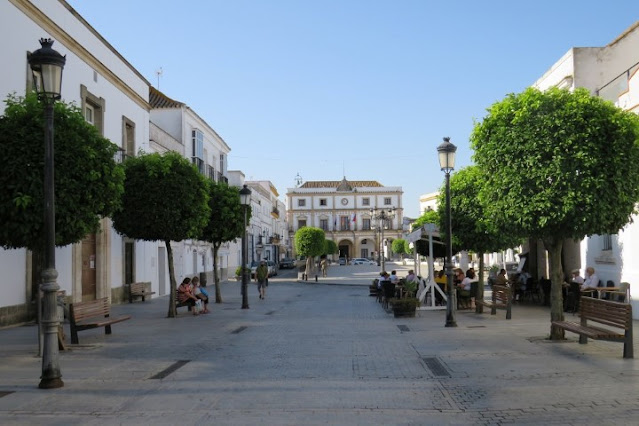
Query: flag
x=335, y=223
x=354, y=217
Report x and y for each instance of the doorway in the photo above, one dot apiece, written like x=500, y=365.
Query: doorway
x=88, y=268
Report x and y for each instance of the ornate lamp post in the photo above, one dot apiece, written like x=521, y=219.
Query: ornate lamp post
x=446, y=153
x=382, y=217
x=245, y=200
x=46, y=66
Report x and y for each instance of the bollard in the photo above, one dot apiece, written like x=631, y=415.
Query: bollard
x=315, y=278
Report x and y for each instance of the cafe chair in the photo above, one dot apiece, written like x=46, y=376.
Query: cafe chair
x=574, y=295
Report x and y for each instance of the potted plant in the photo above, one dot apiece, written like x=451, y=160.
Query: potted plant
x=404, y=307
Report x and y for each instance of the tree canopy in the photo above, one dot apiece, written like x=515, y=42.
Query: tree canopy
x=330, y=247
x=309, y=241
x=165, y=198
x=225, y=223
x=88, y=182
x=558, y=165
x=400, y=246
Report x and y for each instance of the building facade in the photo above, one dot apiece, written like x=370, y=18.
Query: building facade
x=346, y=211
x=611, y=72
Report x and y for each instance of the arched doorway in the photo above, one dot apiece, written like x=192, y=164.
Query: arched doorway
x=346, y=249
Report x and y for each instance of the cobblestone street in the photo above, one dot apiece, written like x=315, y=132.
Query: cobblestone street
x=319, y=354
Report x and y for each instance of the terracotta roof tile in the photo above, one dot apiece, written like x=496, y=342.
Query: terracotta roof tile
x=158, y=99
x=335, y=184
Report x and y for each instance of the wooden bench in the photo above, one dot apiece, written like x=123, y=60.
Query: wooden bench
x=179, y=304
x=614, y=314
x=92, y=314
x=501, y=299
x=138, y=290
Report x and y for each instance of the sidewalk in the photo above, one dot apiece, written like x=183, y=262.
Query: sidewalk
x=319, y=354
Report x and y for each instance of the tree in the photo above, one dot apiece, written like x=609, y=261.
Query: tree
x=226, y=222
x=429, y=216
x=88, y=182
x=422, y=246
x=400, y=246
x=558, y=165
x=330, y=247
x=472, y=229
x=309, y=242
x=165, y=198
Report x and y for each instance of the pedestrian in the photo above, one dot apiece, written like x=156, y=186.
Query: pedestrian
x=186, y=296
x=323, y=265
x=261, y=277
x=201, y=294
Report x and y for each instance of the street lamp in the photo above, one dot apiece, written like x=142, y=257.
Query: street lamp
x=446, y=153
x=46, y=67
x=382, y=217
x=245, y=200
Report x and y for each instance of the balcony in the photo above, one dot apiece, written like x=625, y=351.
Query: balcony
x=275, y=213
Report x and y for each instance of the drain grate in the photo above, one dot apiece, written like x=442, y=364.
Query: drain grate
x=270, y=313
x=170, y=369
x=436, y=367
x=476, y=326
x=403, y=327
x=5, y=393
x=239, y=330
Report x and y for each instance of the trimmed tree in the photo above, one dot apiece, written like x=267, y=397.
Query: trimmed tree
x=165, y=199
x=88, y=182
x=558, y=165
x=330, y=247
x=472, y=229
x=400, y=246
x=226, y=222
x=310, y=242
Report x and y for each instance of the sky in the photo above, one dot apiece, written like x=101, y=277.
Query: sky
x=362, y=89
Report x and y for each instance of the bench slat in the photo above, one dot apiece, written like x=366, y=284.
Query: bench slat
x=91, y=314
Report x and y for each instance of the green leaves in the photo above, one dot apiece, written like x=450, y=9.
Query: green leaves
x=558, y=163
x=309, y=241
x=226, y=221
x=165, y=198
x=88, y=182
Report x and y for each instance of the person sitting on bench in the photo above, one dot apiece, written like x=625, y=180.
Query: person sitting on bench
x=186, y=296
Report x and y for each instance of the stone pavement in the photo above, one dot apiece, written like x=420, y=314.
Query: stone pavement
x=314, y=354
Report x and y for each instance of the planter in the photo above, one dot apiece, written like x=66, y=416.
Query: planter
x=404, y=308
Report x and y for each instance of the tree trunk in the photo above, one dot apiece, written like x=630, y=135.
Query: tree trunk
x=216, y=278
x=309, y=266
x=173, y=286
x=554, y=248
x=479, y=308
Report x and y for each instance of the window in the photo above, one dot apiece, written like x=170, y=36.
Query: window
x=366, y=224
x=89, y=113
x=93, y=109
x=324, y=224
x=323, y=201
x=197, y=149
x=344, y=223
x=387, y=201
x=301, y=223
x=222, y=168
x=606, y=242
x=366, y=201
x=301, y=203
x=128, y=137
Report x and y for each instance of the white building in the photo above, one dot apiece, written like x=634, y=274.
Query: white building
x=267, y=230
x=114, y=97
x=343, y=210
x=611, y=72
x=176, y=127
x=428, y=202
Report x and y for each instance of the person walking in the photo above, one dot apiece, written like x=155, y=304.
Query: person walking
x=323, y=265
x=261, y=277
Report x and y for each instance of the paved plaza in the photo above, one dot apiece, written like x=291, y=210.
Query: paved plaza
x=320, y=353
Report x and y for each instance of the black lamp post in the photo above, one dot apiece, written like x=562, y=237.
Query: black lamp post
x=447, y=163
x=245, y=200
x=382, y=217
x=46, y=66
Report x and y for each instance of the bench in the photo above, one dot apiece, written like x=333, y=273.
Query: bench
x=614, y=314
x=138, y=290
x=91, y=314
x=501, y=299
x=179, y=304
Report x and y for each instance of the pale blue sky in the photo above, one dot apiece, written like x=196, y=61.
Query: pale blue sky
x=362, y=88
